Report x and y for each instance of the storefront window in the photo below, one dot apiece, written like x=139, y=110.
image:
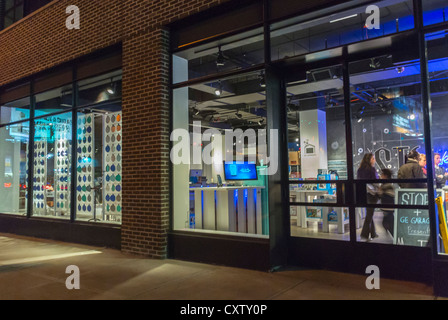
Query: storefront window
x=435, y=11
x=100, y=89
x=234, y=53
x=53, y=101
x=99, y=149
x=314, y=32
x=317, y=151
x=52, y=166
x=14, y=111
x=218, y=155
x=14, y=144
x=388, y=144
x=13, y=11
x=438, y=70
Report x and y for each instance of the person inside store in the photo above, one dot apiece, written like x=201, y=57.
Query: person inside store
x=386, y=193
x=422, y=163
x=367, y=171
x=439, y=172
x=411, y=170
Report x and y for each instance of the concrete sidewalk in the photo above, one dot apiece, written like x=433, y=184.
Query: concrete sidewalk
x=35, y=269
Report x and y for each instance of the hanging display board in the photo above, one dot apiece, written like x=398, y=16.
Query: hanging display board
x=112, y=150
x=85, y=153
x=62, y=169
x=412, y=226
x=40, y=178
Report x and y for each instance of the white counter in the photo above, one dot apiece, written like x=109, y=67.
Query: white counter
x=229, y=208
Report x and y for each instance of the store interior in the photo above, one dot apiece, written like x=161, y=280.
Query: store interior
x=386, y=113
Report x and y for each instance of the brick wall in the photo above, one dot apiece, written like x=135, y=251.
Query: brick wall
x=41, y=41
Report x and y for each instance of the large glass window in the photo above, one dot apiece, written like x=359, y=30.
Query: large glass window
x=234, y=53
x=317, y=151
x=52, y=166
x=389, y=143
x=13, y=11
x=14, y=145
x=219, y=156
x=99, y=150
x=99, y=174
x=14, y=111
x=53, y=101
x=438, y=80
x=435, y=11
x=319, y=31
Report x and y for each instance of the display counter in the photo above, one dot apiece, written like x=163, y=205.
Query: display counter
x=337, y=216
x=229, y=208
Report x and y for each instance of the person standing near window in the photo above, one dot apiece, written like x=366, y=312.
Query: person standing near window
x=411, y=170
x=367, y=171
x=440, y=173
x=422, y=163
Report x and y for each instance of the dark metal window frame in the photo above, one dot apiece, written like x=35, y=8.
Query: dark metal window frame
x=73, y=110
x=347, y=189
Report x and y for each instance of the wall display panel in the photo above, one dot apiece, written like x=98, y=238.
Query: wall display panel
x=52, y=166
x=112, y=154
x=14, y=144
x=85, y=165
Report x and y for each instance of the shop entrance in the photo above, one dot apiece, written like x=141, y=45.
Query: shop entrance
x=352, y=125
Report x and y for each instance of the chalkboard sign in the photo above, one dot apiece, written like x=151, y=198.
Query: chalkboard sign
x=412, y=226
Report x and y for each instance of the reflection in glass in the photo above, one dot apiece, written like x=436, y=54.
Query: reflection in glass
x=386, y=110
x=100, y=89
x=52, y=166
x=434, y=11
x=234, y=53
x=15, y=111
x=53, y=101
x=14, y=143
x=319, y=31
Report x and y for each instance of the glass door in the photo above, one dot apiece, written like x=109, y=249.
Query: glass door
x=317, y=154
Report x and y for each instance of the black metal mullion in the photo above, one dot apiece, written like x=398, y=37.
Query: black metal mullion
x=30, y=193
x=349, y=187
x=74, y=146
x=426, y=98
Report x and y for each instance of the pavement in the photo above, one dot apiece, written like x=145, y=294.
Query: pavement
x=35, y=269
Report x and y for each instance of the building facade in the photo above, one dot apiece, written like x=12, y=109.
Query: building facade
x=115, y=133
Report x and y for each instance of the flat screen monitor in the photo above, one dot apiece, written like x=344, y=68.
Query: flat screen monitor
x=239, y=171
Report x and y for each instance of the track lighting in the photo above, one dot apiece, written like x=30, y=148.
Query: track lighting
x=375, y=63
x=111, y=88
x=400, y=69
x=262, y=80
x=218, y=91
x=220, y=59
x=260, y=122
x=238, y=115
